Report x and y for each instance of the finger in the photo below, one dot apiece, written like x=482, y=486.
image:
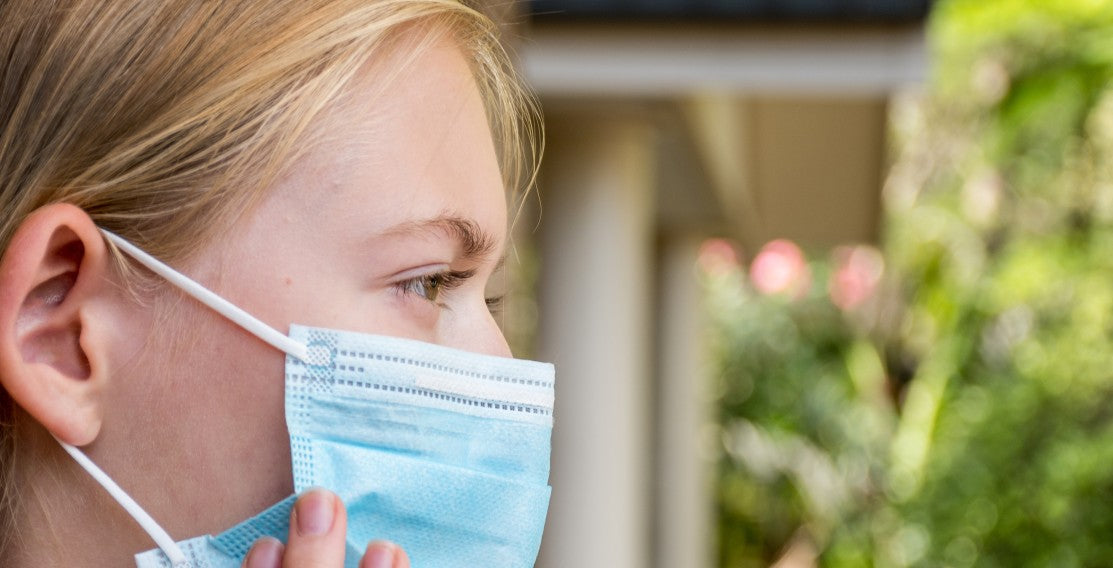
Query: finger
x=318, y=525
x=266, y=553
x=383, y=554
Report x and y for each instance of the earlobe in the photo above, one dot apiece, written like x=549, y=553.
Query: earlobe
x=52, y=276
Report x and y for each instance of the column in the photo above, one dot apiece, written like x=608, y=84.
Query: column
x=684, y=533
x=595, y=324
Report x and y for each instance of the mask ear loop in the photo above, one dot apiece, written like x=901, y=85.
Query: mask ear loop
x=157, y=533
x=252, y=324
x=223, y=307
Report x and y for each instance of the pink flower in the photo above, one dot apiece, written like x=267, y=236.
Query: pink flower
x=857, y=273
x=718, y=257
x=780, y=268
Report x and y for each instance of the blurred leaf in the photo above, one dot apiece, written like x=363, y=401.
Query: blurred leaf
x=964, y=417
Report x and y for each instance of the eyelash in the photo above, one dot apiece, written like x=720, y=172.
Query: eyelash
x=495, y=303
x=430, y=286
x=440, y=282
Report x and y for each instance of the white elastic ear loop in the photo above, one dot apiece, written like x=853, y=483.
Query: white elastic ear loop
x=160, y=536
x=223, y=307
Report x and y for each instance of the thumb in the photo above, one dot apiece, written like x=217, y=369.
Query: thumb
x=318, y=524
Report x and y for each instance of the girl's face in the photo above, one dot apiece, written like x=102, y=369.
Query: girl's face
x=392, y=224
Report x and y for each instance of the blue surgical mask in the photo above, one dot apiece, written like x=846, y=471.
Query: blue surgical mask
x=442, y=451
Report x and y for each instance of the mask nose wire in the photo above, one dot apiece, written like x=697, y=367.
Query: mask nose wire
x=237, y=315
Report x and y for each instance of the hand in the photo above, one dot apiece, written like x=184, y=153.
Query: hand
x=318, y=525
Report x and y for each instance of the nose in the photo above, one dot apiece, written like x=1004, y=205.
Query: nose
x=478, y=332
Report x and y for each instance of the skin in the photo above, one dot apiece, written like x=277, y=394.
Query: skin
x=183, y=408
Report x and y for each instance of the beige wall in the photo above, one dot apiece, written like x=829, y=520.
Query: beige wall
x=816, y=167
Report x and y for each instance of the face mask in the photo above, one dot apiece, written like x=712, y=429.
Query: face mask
x=442, y=451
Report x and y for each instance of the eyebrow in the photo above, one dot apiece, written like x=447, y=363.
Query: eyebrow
x=475, y=243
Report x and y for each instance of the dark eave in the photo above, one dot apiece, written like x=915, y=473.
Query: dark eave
x=738, y=11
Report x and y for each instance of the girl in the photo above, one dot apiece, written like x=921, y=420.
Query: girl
x=339, y=165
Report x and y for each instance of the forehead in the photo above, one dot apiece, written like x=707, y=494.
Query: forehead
x=408, y=140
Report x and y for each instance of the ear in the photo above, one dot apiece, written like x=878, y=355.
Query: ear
x=52, y=277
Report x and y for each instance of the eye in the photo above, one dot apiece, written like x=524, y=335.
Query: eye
x=428, y=287
x=431, y=286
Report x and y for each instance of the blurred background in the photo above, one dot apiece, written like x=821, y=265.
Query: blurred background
x=826, y=282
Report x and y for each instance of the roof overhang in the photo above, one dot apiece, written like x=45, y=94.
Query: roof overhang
x=633, y=60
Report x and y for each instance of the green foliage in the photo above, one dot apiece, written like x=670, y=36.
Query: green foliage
x=805, y=419
x=964, y=416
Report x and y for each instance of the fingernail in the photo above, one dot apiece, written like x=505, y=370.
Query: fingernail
x=379, y=555
x=267, y=553
x=315, y=511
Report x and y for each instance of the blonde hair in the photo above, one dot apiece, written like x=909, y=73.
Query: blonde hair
x=166, y=120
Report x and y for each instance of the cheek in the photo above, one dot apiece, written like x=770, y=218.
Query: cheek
x=227, y=402
x=343, y=300
x=223, y=361
x=243, y=430
x=204, y=398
